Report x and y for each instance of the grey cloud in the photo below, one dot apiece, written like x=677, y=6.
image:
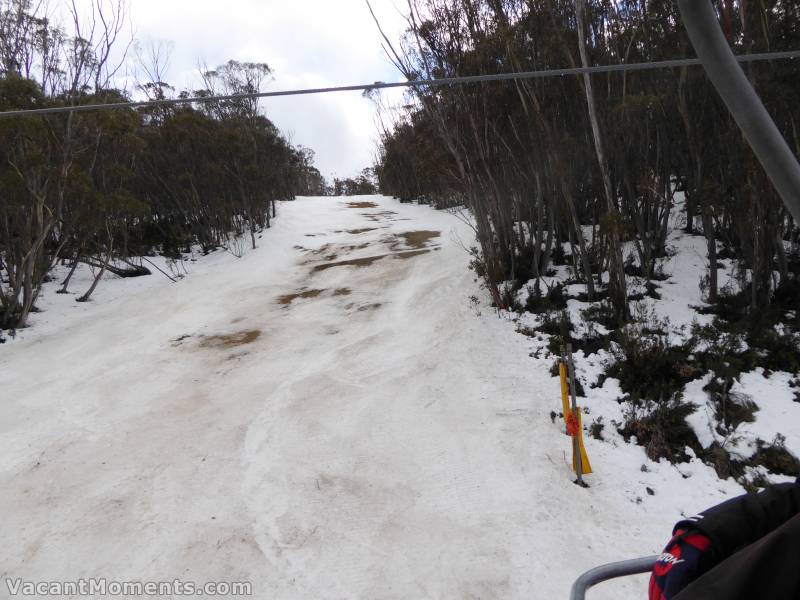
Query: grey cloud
x=308, y=44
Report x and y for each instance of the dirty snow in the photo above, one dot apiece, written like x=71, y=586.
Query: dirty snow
x=375, y=436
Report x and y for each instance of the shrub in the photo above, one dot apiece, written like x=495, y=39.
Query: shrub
x=635, y=270
x=559, y=256
x=557, y=324
x=647, y=367
x=776, y=458
x=725, y=466
x=539, y=303
x=596, y=428
x=477, y=264
x=730, y=307
x=555, y=370
x=663, y=432
x=590, y=344
x=508, y=296
x=779, y=352
x=730, y=409
x=787, y=294
x=603, y=313
x=724, y=351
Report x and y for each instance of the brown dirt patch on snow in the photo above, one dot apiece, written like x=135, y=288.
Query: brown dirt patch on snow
x=303, y=294
x=368, y=307
x=331, y=252
x=355, y=262
x=229, y=340
x=419, y=239
x=385, y=215
x=411, y=254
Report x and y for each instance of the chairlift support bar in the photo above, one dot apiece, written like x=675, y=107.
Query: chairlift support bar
x=774, y=154
x=769, y=146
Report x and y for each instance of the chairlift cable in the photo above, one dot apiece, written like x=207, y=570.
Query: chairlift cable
x=419, y=83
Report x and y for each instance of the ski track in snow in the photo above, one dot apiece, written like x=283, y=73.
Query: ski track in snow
x=386, y=443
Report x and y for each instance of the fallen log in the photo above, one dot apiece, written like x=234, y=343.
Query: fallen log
x=131, y=270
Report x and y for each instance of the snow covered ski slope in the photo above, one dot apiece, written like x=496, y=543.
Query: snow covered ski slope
x=326, y=417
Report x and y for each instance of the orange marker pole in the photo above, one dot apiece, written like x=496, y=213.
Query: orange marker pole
x=576, y=440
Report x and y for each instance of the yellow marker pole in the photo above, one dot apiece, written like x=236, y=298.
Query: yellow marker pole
x=580, y=462
x=586, y=468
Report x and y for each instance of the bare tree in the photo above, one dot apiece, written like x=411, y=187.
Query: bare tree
x=617, y=284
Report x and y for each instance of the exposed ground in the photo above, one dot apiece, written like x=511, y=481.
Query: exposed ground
x=323, y=426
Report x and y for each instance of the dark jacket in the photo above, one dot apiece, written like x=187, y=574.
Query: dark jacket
x=755, y=547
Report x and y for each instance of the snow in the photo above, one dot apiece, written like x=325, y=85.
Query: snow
x=680, y=294
x=702, y=420
x=777, y=412
x=777, y=408
x=676, y=312
x=389, y=442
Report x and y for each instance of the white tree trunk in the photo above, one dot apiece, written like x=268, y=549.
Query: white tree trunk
x=617, y=284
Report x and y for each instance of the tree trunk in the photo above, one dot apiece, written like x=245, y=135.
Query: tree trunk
x=90, y=291
x=585, y=262
x=75, y=264
x=617, y=284
x=711, y=241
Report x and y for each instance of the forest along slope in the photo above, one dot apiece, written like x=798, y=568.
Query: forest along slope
x=328, y=416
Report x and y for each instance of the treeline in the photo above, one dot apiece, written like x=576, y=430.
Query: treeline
x=105, y=187
x=363, y=185
x=594, y=162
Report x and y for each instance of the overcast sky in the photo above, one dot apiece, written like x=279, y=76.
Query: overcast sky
x=308, y=43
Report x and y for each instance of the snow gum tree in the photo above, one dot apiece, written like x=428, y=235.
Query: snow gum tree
x=106, y=188
x=593, y=163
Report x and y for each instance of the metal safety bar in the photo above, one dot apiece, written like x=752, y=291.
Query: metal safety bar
x=602, y=573
x=742, y=101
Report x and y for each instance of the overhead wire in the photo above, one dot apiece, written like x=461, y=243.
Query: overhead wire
x=380, y=85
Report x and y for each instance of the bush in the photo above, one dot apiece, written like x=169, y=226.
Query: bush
x=647, y=367
x=725, y=466
x=663, y=432
x=730, y=409
x=591, y=344
x=539, y=303
x=596, y=428
x=787, y=294
x=732, y=349
x=730, y=307
x=559, y=257
x=724, y=351
x=776, y=458
x=508, y=296
x=635, y=270
x=560, y=327
x=599, y=295
x=477, y=264
x=778, y=352
x=603, y=313
x=558, y=324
